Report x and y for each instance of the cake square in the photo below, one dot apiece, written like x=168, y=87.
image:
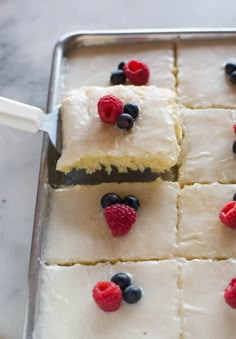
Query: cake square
x=205, y=313
x=92, y=66
x=78, y=232
x=68, y=310
x=202, y=82
x=206, y=149
x=91, y=144
x=200, y=231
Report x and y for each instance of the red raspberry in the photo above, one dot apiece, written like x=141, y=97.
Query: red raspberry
x=230, y=294
x=107, y=295
x=234, y=128
x=120, y=218
x=228, y=214
x=109, y=108
x=137, y=72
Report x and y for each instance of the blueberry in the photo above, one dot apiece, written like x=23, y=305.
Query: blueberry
x=125, y=121
x=131, y=109
x=121, y=65
x=230, y=67
x=117, y=77
x=132, y=294
x=233, y=77
x=234, y=197
x=234, y=147
x=110, y=199
x=121, y=279
x=131, y=201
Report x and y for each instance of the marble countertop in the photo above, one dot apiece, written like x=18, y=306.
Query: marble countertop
x=29, y=31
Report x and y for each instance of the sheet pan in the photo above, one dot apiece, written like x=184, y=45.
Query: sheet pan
x=48, y=175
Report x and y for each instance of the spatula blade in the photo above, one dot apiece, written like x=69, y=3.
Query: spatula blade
x=51, y=123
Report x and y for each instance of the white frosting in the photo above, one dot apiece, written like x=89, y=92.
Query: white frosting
x=205, y=313
x=68, y=310
x=201, y=233
x=202, y=81
x=92, y=66
x=89, y=143
x=78, y=231
x=206, y=149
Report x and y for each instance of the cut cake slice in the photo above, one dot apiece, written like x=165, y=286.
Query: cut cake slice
x=90, y=144
x=205, y=313
x=78, y=231
x=67, y=309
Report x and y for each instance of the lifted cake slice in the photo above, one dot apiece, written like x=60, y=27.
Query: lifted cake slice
x=91, y=144
x=67, y=308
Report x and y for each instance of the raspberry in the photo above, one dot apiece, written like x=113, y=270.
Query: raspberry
x=228, y=214
x=109, y=108
x=234, y=128
x=120, y=218
x=107, y=295
x=230, y=294
x=137, y=72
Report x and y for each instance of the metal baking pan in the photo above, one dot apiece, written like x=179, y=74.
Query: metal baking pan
x=48, y=174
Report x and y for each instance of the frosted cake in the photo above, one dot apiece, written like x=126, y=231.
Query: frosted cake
x=201, y=232
x=204, y=311
x=206, y=149
x=201, y=79
x=178, y=227
x=78, y=231
x=92, y=66
x=91, y=144
x=69, y=311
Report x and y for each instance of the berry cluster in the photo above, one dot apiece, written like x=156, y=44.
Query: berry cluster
x=108, y=294
x=230, y=69
x=111, y=109
x=120, y=213
x=137, y=72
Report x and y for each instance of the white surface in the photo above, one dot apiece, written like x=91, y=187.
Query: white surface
x=206, y=314
x=28, y=33
x=69, y=311
x=78, y=230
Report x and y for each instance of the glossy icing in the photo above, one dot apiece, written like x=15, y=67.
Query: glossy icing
x=92, y=66
x=89, y=143
x=205, y=313
x=206, y=149
x=78, y=231
x=69, y=311
x=202, y=81
x=201, y=233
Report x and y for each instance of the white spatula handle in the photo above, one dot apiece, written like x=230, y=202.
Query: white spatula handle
x=17, y=115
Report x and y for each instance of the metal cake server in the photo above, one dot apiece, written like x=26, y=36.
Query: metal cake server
x=31, y=119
